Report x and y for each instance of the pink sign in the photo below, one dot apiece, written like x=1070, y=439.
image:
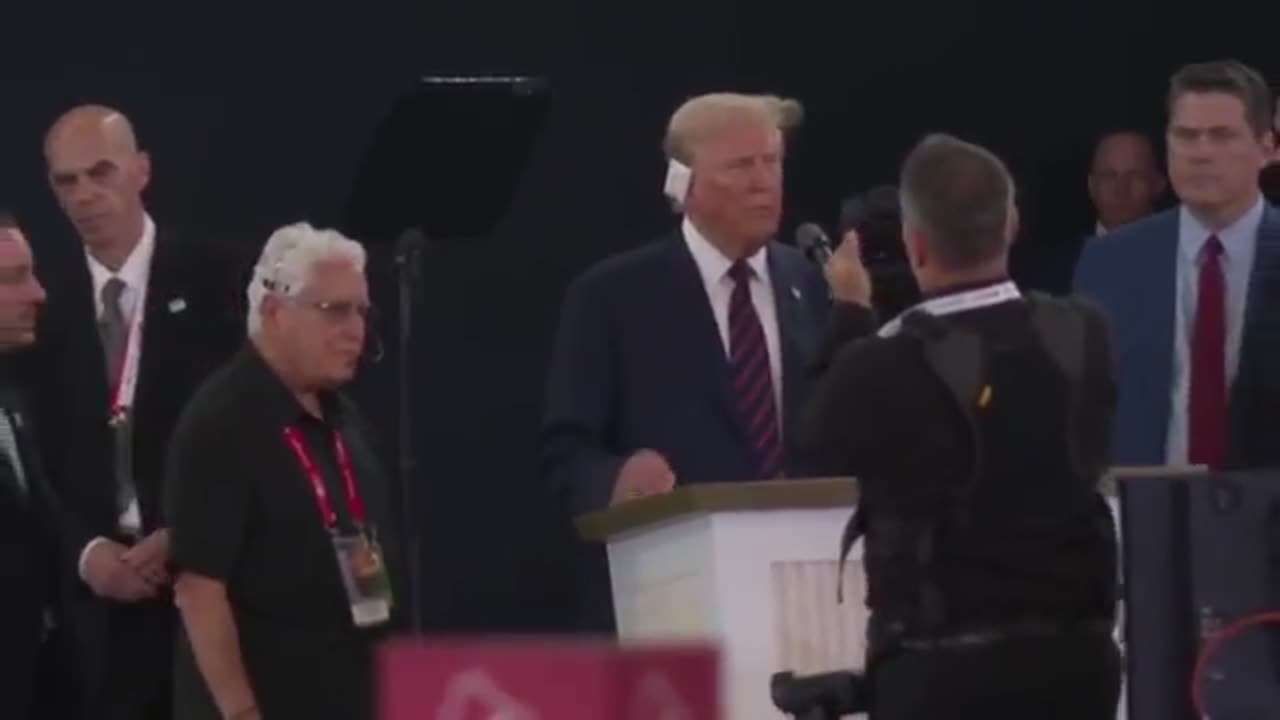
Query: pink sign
x=547, y=680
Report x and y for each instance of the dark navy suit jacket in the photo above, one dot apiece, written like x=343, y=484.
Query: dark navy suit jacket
x=638, y=363
x=1131, y=272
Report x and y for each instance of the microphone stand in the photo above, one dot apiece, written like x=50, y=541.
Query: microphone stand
x=408, y=251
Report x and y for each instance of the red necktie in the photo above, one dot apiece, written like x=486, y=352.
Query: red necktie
x=752, y=377
x=1207, y=407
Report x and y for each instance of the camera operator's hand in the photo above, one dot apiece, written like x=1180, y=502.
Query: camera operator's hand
x=848, y=277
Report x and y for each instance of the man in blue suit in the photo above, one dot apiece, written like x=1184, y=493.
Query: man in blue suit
x=1193, y=293
x=684, y=361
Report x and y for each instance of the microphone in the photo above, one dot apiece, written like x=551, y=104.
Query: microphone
x=813, y=241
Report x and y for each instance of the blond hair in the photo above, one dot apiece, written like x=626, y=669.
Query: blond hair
x=705, y=115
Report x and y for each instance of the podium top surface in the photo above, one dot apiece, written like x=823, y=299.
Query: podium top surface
x=783, y=495
x=703, y=498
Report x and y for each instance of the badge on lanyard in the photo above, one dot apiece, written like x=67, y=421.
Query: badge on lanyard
x=359, y=556
x=124, y=387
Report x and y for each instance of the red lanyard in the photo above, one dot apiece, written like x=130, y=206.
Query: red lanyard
x=294, y=438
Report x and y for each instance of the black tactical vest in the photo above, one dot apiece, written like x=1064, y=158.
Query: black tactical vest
x=997, y=388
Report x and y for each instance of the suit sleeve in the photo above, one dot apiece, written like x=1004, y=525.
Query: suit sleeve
x=577, y=458
x=844, y=418
x=846, y=322
x=1086, y=276
x=61, y=432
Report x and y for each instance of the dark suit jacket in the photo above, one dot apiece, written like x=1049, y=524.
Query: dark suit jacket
x=1131, y=272
x=193, y=321
x=639, y=363
x=29, y=546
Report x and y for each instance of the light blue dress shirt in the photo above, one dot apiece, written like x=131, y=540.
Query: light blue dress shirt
x=1238, y=243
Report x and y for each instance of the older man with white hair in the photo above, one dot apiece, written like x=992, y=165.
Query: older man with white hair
x=684, y=361
x=279, y=516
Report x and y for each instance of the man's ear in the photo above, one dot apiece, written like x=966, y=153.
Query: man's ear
x=1013, y=226
x=143, y=170
x=1269, y=148
x=914, y=243
x=269, y=307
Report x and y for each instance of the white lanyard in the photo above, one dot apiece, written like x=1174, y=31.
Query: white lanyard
x=957, y=302
x=123, y=389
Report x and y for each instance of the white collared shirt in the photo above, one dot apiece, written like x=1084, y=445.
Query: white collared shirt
x=714, y=267
x=1238, y=243
x=134, y=272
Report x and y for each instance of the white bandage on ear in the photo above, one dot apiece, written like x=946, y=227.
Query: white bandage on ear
x=676, y=185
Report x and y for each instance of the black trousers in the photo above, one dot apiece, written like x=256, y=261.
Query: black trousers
x=138, y=679
x=1059, y=677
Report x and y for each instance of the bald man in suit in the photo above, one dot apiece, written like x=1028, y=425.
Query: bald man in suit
x=138, y=315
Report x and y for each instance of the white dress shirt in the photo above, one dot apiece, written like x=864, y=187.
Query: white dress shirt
x=1238, y=243
x=134, y=273
x=714, y=267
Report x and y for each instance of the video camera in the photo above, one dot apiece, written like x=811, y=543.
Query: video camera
x=877, y=216
x=826, y=696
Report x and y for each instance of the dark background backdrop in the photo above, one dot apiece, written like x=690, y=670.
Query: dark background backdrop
x=260, y=114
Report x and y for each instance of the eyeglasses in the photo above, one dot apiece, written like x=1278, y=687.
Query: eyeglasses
x=339, y=310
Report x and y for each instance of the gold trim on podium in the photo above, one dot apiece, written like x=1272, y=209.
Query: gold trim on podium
x=807, y=494
x=799, y=494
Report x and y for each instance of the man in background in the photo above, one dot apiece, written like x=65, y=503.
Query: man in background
x=685, y=361
x=1124, y=183
x=29, y=607
x=1271, y=173
x=1124, y=180
x=136, y=320
x=1189, y=291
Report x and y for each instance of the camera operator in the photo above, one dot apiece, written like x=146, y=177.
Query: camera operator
x=978, y=426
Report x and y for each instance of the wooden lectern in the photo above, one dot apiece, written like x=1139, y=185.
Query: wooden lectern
x=751, y=566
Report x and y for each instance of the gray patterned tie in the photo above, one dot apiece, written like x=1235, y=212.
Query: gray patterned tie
x=114, y=330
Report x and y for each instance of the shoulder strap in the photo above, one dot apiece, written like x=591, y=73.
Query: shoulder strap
x=954, y=355
x=1061, y=330
x=1060, y=326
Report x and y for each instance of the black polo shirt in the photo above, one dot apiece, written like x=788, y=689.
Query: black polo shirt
x=241, y=509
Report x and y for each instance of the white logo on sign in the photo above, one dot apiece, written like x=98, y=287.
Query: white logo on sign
x=475, y=695
x=656, y=699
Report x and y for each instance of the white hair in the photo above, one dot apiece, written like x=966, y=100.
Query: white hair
x=285, y=266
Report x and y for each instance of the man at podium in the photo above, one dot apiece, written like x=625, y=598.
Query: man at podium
x=685, y=360
x=978, y=427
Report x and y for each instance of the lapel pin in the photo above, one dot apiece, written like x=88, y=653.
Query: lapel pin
x=177, y=305
x=795, y=292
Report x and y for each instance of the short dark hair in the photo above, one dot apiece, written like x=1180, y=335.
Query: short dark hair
x=1229, y=77
x=961, y=195
x=7, y=219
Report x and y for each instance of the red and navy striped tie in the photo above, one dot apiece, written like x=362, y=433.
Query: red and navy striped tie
x=752, y=377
